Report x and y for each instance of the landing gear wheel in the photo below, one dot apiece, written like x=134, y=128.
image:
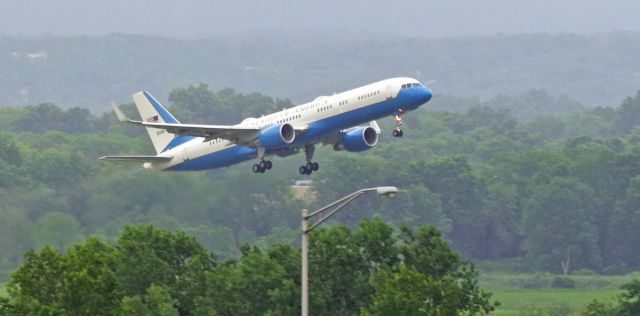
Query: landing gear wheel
x=256, y=168
x=268, y=164
x=395, y=133
x=400, y=133
x=310, y=166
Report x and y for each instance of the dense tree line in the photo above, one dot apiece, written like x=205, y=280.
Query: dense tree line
x=90, y=72
x=535, y=193
x=372, y=270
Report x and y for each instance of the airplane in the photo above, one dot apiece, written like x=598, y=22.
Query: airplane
x=329, y=120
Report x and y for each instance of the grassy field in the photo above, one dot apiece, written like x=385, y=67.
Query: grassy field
x=531, y=294
x=3, y=289
x=549, y=301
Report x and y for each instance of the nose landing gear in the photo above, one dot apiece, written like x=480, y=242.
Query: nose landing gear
x=398, y=117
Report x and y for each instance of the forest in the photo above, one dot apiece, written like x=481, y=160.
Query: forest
x=89, y=72
x=527, y=195
x=520, y=184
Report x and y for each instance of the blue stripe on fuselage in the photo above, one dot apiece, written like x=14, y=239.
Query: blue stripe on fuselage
x=177, y=141
x=217, y=159
x=408, y=99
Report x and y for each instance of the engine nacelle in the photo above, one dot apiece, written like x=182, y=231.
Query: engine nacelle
x=358, y=139
x=277, y=136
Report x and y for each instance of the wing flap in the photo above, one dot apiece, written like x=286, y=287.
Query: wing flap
x=234, y=133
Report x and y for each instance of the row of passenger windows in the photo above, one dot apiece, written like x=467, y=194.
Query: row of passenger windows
x=290, y=118
x=368, y=95
x=409, y=85
x=325, y=108
x=343, y=102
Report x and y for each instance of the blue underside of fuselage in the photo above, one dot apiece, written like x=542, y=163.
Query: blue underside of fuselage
x=407, y=99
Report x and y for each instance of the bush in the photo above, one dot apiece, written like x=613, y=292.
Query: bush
x=583, y=272
x=563, y=282
x=616, y=269
x=536, y=282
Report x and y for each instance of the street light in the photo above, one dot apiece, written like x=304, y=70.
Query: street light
x=339, y=204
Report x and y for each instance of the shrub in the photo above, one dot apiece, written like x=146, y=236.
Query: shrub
x=563, y=282
x=583, y=272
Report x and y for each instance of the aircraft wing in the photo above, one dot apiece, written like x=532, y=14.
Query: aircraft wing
x=137, y=158
x=237, y=134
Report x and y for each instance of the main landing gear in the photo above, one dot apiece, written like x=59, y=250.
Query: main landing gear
x=310, y=166
x=262, y=166
x=398, y=117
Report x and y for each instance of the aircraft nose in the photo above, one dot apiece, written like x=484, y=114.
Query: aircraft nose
x=425, y=94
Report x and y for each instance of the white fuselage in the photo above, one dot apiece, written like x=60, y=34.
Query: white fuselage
x=300, y=116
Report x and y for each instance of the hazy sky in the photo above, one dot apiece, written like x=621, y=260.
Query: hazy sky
x=428, y=18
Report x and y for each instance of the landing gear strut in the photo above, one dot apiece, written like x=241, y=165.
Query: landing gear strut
x=398, y=117
x=262, y=166
x=310, y=166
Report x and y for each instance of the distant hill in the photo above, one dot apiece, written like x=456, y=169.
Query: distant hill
x=89, y=72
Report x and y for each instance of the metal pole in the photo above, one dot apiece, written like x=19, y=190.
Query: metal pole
x=305, y=264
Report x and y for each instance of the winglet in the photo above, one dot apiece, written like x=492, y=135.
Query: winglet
x=121, y=117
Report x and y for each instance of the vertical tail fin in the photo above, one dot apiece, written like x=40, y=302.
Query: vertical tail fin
x=152, y=111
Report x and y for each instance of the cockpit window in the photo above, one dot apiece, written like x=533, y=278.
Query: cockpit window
x=409, y=85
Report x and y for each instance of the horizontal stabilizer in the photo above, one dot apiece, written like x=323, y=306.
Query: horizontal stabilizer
x=137, y=158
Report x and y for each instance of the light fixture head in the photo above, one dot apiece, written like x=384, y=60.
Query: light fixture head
x=388, y=191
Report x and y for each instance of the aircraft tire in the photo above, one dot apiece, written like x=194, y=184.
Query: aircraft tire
x=302, y=170
x=268, y=164
x=315, y=166
x=255, y=168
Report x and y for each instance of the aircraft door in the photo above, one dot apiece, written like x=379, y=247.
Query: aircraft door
x=185, y=154
x=389, y=92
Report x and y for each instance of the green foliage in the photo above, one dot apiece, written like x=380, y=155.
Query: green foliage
x=156, y=302
x=594, y=69
x=628, y=303
x=563, y=282
x=494, y=186
x=149, y=271
x=147, y=256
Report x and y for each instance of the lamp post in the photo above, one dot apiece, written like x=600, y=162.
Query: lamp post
x=339, y=204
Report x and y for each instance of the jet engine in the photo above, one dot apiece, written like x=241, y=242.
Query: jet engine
x=277, y=136
x=358, y=139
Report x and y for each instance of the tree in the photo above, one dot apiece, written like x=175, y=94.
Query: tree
x=90, y=286
x=559, y=223
x=36, y=288
x=156, y=302
x=628, y=303
x=58, y=229
x=147, y=256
